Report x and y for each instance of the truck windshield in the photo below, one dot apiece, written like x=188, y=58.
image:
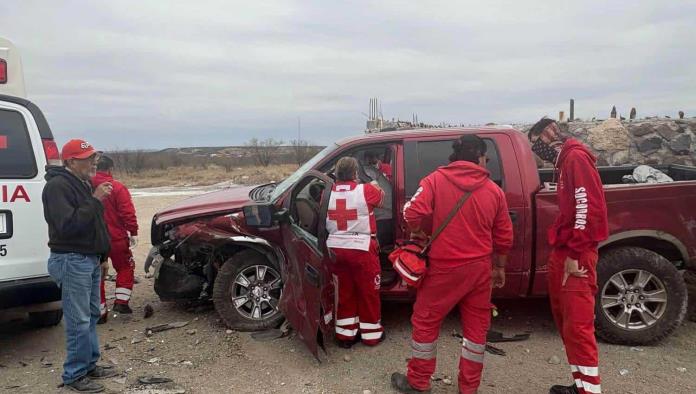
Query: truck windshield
x=289, y=181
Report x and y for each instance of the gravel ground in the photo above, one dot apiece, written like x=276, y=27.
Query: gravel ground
x=204, y=357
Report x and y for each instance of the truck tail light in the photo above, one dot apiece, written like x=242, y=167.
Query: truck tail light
x=3, y=71
x=51, y=151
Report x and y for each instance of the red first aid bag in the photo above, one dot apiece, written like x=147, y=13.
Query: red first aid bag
x=410, y=263
x=410, y=260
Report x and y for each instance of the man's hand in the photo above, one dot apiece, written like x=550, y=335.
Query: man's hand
x=571, y=269
x=498, y=277
x=102, y=191
x=104, y=269
x=132, y=241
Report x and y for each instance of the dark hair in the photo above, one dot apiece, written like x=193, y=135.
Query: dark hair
x=468, y=148
x=105, y=163
x=539, y=127
x=346, y=168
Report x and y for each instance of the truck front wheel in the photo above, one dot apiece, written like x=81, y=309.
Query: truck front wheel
x=641, y=297
x=247, y=290
x=46, y=319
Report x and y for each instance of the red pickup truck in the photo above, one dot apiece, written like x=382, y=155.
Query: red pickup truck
x=260, y=252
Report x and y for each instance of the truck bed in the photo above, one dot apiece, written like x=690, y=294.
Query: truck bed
x=613, y=175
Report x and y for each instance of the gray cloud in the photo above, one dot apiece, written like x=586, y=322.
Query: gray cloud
x=158, y=74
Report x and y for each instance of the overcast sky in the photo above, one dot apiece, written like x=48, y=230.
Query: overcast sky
x=155, y=74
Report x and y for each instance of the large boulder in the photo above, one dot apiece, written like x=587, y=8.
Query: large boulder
x=668, y=130
x=641, y=129
x=681, y=145
x=609, y=135
x=649, y=145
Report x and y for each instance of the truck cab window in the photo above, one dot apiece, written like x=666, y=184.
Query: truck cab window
x=422, y=158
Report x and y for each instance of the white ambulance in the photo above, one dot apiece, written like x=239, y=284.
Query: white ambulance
x=26, y=147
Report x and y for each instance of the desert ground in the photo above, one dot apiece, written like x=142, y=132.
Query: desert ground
x=205, y=357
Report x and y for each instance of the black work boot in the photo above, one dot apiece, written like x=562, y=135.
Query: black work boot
x=101, y=373
x=122, y=308
x=103, y=319
x=85, y=385
x=558, y=389
x=401, y=384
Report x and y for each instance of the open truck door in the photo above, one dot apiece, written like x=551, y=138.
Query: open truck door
x=307, y=300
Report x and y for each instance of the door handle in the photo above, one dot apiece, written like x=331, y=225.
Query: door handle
x=312, y=275
x=513, y=216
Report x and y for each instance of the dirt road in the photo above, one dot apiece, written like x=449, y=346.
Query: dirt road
x=204, y=357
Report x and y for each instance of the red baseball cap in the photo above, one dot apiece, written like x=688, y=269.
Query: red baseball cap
x=77, y=149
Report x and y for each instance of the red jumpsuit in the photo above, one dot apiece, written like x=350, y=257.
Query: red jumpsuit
x=351, y=225
x=119, y=214
x=459, y=271
x=580, y=226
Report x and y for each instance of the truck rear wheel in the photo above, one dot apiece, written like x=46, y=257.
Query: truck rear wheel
x=46, y=319
x=641, y=297
x=247, y=290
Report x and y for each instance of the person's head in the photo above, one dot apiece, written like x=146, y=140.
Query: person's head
x=105, y=164
x=469, y=148
x=346, y=169
x=371, y=157
x=80, y=158
x=545, y=129
x=544, y=135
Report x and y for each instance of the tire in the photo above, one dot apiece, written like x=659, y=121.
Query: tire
x=656, y=294
x=46, y=319
x=248, y=266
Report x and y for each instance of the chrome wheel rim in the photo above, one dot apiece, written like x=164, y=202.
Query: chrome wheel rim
x=634, y=299
x=256, y=291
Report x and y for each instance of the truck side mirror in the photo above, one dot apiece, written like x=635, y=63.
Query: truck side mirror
x=282, y=215
x=260, y=215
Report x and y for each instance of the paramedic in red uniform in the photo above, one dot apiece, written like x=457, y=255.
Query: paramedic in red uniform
x=462, y=268
x=350, y=223
x=122, y=223
x=575, y=235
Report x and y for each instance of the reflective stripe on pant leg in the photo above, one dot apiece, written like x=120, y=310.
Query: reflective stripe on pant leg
x=371, y=332
x=473, y=351
x=586, y=379
x=123, y=294
x=423, y=351
x=347, y=328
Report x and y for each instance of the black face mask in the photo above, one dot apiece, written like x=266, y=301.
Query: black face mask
x=544, y=151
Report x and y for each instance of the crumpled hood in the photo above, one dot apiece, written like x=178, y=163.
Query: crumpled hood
x=465, y=175
x=572, y=145
x=206, y=204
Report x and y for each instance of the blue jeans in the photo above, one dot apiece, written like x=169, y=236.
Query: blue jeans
x=78, y=277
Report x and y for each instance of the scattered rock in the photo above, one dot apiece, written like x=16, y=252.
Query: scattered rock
x=108, y=346
x=228, y=332
x=120, y=380
x=136, y=340
x=623, y=372
x=186, y=362
x=447, y=381
x=681, y=369
x=637, y=349
x=346, y=358
x=367, y=392
x=191, y=332
x=45, y=363
x=554, y=360
x=153, y=360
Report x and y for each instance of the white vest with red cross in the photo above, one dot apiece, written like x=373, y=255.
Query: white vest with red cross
x=348, y=218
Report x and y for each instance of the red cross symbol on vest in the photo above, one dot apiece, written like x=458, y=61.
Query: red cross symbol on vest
x=342, y=215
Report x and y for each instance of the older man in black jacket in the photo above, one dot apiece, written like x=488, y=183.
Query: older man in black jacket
x=79, y=244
